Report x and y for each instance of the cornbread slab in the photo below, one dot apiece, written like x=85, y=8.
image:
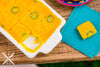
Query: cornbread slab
x=34, y=28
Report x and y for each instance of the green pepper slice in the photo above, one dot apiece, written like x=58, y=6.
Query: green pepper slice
x=89, y=33
x=35, y=1
x=50, y=19
x=2, y=26
x=24, y=34
x=14, y=10
x=34, y=15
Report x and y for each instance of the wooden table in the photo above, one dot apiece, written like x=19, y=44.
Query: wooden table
x=62, y=52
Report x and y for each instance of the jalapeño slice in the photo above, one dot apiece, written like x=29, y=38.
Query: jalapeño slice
x=34, y=15
x=2, y=26
x=15, y=10
x=35, y=1
x=89, y=32
x=50, y=19
x=24, y=34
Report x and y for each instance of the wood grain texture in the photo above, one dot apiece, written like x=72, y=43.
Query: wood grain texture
x=61, y=53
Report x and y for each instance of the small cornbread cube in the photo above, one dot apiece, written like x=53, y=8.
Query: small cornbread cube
x=86, y=30
x=30, y=19
x=41, y=9
x=17, y=10
x=6, y=20
x=19, y=32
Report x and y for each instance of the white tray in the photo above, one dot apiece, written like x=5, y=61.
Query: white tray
x=45, y=48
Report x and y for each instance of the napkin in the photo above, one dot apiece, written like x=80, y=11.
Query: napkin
x=71, y=36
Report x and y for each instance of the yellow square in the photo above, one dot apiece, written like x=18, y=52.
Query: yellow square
x=6, y=20
x=86, y=30
x=39, y=8
x=19, y=32
x=29, y=22
x=17, y=10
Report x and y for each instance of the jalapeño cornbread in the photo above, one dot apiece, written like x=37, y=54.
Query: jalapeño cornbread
x=6, y=21
x=22, y=18
x=86, y=30
x=19, y=32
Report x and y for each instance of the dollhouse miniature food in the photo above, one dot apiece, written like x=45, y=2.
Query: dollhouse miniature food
x=86, y=30
x=6, y=21
x=41, y=23
x=19, y=32
x=22, y=21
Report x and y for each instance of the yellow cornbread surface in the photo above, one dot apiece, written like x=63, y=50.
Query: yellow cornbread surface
x=22, y=18
x=17, y=10
x=19, y=32
x=46, y=27
x=42, y=29
x=6, y=21
x=6, y=3
x=86, y=30
x=39, y=8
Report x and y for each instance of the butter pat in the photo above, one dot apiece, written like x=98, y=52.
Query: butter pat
x=86, y=30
